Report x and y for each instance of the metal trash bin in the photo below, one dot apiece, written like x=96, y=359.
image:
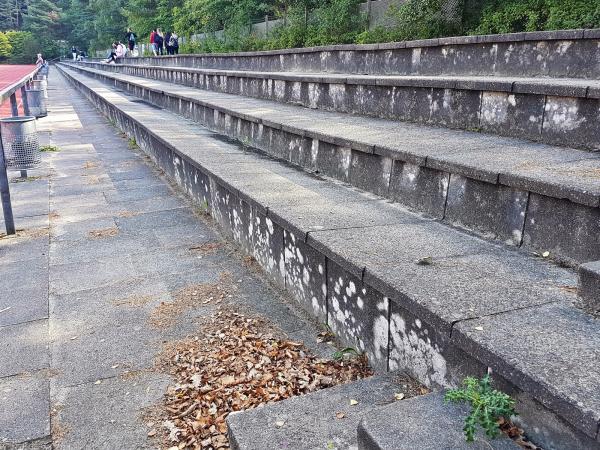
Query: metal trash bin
x=20, y=142
x=36, y=102
x=41, y=85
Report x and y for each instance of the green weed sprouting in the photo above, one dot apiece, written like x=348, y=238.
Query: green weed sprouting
x=339, y=355
x=488, y=405
x=49, y=148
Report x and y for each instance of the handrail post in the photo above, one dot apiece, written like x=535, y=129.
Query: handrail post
x=13, y=105
x=9, y=221
x=25, y=102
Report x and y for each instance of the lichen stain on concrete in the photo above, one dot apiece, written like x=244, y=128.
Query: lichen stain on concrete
x=443, y=183
x=408, y=178
x=314, y=93
x=562, y=114
x=360, y=318
x=416, y=57
x=386, y=170
x=314, y=152
x=300, y=278
x=413, y=350
x=296, y=92
x=279, y=89
x=345, y=160
x=264, y=247
x=459, y=188
x=494, y=107
x=337, y=93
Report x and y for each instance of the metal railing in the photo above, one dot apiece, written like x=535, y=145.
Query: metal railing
x=10, y=93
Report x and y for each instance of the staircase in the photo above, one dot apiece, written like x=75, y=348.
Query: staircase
x=355, y=177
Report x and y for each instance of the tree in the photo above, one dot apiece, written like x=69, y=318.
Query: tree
x=42, y=18
x=5, y=47
x=24, y=47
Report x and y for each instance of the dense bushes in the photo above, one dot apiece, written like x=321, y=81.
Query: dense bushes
x=506, y=16
x=310, y=22
x=21, y=47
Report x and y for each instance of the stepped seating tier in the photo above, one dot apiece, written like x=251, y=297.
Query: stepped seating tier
x=554, y=111
x=350, y=258
x=536, y=196
x=426, y=423
x=558, y=54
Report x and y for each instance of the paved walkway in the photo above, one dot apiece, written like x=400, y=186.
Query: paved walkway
x=104, y=241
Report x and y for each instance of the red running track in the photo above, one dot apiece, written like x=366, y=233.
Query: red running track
x=10, y=74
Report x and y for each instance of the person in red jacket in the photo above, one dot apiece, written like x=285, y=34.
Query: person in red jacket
x=152, y=44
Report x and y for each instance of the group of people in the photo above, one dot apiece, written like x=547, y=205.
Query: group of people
x=78, y=55
x=161, y=42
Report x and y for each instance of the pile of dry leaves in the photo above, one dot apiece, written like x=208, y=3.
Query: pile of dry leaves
x=237, y=363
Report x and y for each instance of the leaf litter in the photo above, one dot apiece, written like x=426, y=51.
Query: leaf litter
x=237, y=362
x=165, y=315
x=103, y=233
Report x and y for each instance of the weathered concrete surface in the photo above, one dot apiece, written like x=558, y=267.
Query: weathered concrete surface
x=76, y=350
x=309, y=421
x=563, y=53
x=589, y=285
x=425, y=422
x=556, y=111
x=414, y=170
x=466, y=278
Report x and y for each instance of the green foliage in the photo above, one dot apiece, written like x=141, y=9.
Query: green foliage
x=340, y=354
x=487, y=405
x=5, y=47
x=56, y=25
x=49, y=148
x=24, y=47
x=507, y=16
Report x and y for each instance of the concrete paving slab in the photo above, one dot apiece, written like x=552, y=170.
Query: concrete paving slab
x=24, y=348
x=24, y=409
x=107, y=415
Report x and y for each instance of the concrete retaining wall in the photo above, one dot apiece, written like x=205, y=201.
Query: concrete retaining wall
x=570, y=53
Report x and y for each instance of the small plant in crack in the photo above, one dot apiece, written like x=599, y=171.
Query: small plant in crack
x=488, y=406
x=348, y=351
x=49, y=148
x=132, y=144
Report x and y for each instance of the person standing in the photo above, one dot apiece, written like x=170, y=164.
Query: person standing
x=39, y=61
x=74, y=52
x=168, y=42
x=159, y=41
x=152, y=43
x=130, y=38
x=175, y=43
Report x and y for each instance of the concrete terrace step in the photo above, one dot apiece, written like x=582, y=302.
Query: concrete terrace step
x=424, y=423
x=562, y=54
x=555, y=111
x=537, y=196
x=349, y=258
x=298, y=428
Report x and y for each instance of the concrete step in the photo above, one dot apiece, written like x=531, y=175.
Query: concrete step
x=352, y=260
x=563, y=53
x=535, y=196
x=555, y=111
x=425, y=423
x=291, y=423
